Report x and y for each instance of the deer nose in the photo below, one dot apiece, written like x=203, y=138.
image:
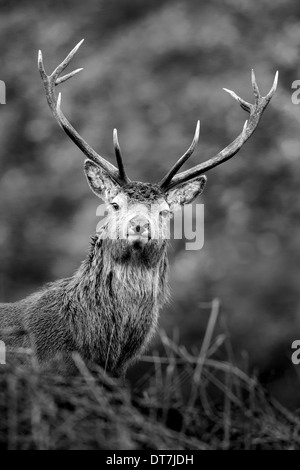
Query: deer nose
x=139, y=224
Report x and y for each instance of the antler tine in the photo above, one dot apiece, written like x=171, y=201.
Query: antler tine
x=50, y=82
x=117, y=148
x=66, y=77
x=243, y=104
x=274, y=87
x=166, y=180
x=256, y=110
x=66, y=61
x=256, y=91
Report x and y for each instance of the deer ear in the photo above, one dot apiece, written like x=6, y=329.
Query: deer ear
x=100, y=182
x=185, y=193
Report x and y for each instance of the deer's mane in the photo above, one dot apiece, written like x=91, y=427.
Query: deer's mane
x=135, y=271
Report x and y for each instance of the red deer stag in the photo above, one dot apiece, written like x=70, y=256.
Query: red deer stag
x=108, y=310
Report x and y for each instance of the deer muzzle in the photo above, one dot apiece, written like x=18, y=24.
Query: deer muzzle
x=139, y=229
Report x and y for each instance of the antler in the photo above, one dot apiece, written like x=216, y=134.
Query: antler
x=255, y=110
x=50, y=82
x=166, y=180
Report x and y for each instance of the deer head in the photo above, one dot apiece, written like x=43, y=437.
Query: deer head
x=141, y=211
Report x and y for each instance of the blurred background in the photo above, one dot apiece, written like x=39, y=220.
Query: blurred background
x=152, y=69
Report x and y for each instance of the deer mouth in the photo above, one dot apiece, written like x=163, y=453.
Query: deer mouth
x=138, y=238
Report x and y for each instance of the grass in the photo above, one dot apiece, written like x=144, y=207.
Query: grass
x=183, y=402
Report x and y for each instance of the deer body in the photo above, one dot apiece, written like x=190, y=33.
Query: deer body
x=108, y=310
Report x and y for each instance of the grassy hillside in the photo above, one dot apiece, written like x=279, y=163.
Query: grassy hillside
x=184, y=402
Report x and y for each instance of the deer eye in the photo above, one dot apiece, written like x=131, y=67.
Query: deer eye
x=115, y=206
x=164, y=213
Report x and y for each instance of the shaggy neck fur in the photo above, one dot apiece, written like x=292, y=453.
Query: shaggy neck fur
x=114, y=298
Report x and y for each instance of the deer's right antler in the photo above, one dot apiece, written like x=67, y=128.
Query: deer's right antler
x=54, y=102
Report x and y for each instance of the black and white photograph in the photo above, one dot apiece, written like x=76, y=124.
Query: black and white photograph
x=150, y=228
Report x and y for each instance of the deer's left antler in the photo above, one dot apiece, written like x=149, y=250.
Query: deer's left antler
x=255, y=110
